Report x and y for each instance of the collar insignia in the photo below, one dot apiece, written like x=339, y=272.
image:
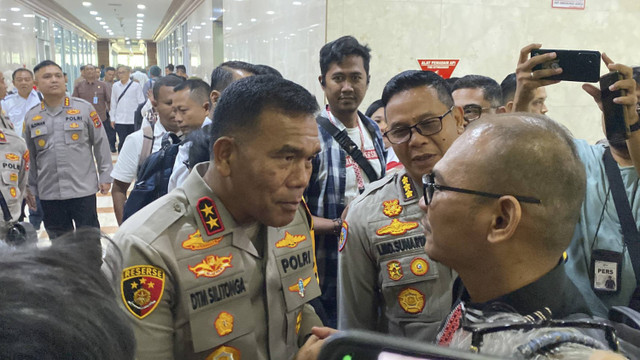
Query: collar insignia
x=408, y=190
x=290, y=241
x=209, y=216
x=397, y=227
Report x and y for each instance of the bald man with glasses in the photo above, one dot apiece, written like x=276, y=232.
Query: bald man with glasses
x=387, y=283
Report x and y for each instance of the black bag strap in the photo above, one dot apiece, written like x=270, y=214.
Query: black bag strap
x=627, y=222
x=349, y=146
x=125, y=90
x=6, y=213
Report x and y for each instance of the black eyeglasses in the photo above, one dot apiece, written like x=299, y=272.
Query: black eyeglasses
x=425, y=127
x=429, y=186
x=473, y=112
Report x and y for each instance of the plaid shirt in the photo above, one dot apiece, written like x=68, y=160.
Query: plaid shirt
x=325, y=198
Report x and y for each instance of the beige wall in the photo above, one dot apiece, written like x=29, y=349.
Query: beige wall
x=486, y=35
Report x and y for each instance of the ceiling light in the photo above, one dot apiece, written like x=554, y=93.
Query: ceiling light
x=15, y=9
x=141, y=7
x=3, y=19
x=270, y=12
x=207, y=37
x=105, y=26
x=126, y=38
x=93, y=12
x=297, y=3
x=16, y=24
x=102, y=23
x=228, y=28
x=140, y=15
x=212, y=18
x=254, y=19
x=140, y=20
x=98, y=18
x=203, y=23
x=86, y=3
x=239, y=24
x=29, y=15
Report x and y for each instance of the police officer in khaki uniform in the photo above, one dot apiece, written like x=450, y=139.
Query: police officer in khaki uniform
x=387, y=282
x=223, y=267
x=63, y=134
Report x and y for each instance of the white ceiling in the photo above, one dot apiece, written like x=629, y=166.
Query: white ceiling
x=120, y=16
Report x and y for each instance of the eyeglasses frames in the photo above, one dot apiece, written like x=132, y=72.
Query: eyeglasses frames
x=429, y=187
x=425, y=127
x=473, y=112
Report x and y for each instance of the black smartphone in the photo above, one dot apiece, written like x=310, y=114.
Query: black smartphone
x=615, y=125
x=365, y=345
x=577, y=65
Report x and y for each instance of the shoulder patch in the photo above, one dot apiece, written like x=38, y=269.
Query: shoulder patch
x=142, y=287
x=344, y=232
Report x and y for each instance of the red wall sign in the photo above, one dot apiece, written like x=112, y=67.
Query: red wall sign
x=441, y=67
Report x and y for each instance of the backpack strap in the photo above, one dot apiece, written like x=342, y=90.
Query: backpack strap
x=349, y=147
x=147, y=143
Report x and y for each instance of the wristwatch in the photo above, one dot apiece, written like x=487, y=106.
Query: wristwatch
x=635, y=126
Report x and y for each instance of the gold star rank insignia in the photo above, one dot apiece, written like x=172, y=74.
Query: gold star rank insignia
x=408, y=190
x=209, y=216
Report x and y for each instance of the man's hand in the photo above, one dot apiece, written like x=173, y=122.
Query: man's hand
x=627, y=85
x=527, y=80
x=104, y=188
x=311, y=349
x=31, y=201
x=113, y=124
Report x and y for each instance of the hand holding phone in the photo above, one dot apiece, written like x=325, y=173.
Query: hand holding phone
x=576, y=65
x=616, y=127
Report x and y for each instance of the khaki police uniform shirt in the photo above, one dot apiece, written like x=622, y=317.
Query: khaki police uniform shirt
x=14, y=157
x=62, y=142
x=197, y=287
x=386, y=281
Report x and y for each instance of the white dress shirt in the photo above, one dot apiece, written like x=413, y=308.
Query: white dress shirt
x=16, y=107
x=126, y=168
x=180, y=171
x=122, y=111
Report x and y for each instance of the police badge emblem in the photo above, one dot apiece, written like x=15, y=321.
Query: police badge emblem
x=142, y=287
x=344, y=231
x=224, y=323
x=411, y=301
x=419, y=266
x=394, y=268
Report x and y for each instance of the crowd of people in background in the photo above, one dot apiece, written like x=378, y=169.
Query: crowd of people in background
x=451, y=212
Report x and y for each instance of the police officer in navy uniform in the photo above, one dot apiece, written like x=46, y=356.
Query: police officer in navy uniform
x=63, y=135
x=224, y=265
x=387, y=283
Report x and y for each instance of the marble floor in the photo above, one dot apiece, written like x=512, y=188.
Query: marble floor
x=106, y=216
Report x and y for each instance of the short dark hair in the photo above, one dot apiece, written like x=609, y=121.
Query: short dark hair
x=374, y=107
x=508, y=86
x=155, y=70
x=82, y=67
x=13, y=76
x=242, y=103
x=411, y=79
x=338, y=49
x=221, y=76
x=200, y=145
x=182, y=68
x=490, y=88
x=198, y=90
x=44, y=64
x=261, y=69
x=170, y=67
x=171, y=81
x=109, y=68
x=57, y=304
